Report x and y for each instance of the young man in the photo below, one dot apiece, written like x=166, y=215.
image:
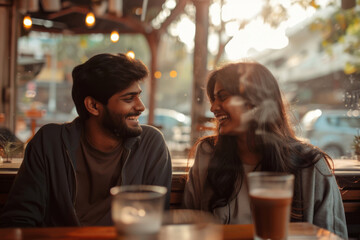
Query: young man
x=68, y=169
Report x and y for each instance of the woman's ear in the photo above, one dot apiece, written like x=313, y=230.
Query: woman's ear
x=91, y=105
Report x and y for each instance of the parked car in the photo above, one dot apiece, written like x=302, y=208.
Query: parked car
x=331, y=130
x=175, y=126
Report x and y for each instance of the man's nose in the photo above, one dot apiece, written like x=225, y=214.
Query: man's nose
x=139, y=106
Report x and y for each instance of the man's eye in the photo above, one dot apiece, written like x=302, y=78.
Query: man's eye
x=129, y=99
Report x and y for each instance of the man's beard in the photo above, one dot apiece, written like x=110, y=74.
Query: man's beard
x=117, y=127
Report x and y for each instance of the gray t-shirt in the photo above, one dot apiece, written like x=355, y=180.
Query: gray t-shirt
x=96, y=173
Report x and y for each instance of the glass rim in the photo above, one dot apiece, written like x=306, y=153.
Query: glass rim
x=271, y=175
x=131, y=189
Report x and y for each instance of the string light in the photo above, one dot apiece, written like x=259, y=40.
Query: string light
x=173, y=74
x=114, y=36
x=90, y=19
x=27, y=22
x=130, y=54
x=157, y=74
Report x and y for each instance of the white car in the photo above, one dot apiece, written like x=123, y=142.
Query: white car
x=331, y=130
x=175, y=126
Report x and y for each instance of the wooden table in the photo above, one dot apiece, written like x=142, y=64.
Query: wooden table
x=297, y=231
x=347, y=174
x=347, y=167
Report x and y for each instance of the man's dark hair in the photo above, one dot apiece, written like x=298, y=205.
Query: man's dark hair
x=102, y=76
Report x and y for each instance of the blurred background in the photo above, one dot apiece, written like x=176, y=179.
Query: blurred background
x=311, y=46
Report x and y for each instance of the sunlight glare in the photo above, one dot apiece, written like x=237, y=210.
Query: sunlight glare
x=186, y=32
x=214, y=13
x=213, y=43
x=256, y=36
x=298, y=14
x=231, y=28
x=170, y=4
x=234, y=9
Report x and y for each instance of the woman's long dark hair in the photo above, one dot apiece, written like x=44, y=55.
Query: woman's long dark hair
x=268, y=133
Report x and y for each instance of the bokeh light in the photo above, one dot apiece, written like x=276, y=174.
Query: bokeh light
x=90, y=19
x=27, y=22
x=114, y=36
x=130, y=54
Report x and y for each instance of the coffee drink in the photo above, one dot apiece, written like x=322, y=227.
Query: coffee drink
x=271, y=212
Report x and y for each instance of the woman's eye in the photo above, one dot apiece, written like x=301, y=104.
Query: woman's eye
x=223, y=97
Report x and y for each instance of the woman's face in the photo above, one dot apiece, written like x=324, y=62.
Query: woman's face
x=230, y=111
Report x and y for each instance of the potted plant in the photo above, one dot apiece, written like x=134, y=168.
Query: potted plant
x=356, y=145
x=9, y=146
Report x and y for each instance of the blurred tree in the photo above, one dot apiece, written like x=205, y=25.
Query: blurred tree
x=272, y=13
x=342, y=26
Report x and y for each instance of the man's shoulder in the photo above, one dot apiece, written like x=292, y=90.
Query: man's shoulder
x=54, y=130
x=51, y=128
x=54, y=127
x=148, y=135
x=150, y=131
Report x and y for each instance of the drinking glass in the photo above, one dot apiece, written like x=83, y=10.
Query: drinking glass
x=270, y=197
x=137, y=211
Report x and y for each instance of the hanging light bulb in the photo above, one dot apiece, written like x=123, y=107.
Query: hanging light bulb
x=90, y=19
x=157, y=74
x=114, y=36
x=27, y=22
x=130, y=54
x=173, y=74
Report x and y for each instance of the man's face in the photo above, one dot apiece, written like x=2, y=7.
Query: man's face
x=120, y=116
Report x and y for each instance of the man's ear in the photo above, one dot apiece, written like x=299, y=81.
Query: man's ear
x=92, y=105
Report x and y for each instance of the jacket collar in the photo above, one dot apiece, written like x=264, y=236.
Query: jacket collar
x=71, y=134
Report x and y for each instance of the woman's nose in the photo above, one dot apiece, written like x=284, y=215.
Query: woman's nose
x=215, y=106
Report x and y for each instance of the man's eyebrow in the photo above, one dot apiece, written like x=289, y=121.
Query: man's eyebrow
x=131, y=94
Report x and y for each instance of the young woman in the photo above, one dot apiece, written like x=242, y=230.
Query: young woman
x=254, y=134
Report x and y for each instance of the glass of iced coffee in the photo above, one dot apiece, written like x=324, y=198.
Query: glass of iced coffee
x=137, y=211
x=270, y=196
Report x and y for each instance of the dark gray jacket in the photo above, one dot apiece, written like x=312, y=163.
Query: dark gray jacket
x=44, y=191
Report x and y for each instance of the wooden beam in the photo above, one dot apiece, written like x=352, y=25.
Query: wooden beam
x=130, y=22
x=200, y=66
x=347, y=4
x=66, y=11
x=153, y=39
